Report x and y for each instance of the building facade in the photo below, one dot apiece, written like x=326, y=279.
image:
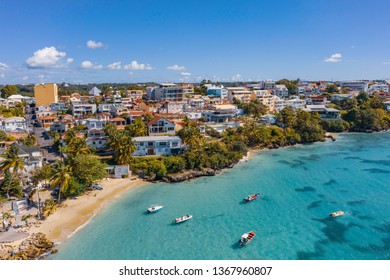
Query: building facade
x=45, y=94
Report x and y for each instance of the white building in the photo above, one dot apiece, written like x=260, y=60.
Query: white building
x=354, y=85
x=281, y=91
x=97, y=139
x=79, y=110
x=296, y=103
x=378, y=87
x=157, y=145
x=279, y=103
x=170, y=92
x=95, y=91
x=13, y=124
x=218, y=91
x=161, y=126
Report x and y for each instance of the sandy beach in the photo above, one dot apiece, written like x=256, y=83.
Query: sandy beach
x=75, y=213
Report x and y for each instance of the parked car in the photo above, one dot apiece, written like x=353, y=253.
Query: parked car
x=97, y=187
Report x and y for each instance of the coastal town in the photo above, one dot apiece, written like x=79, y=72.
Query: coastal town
x=65, y=143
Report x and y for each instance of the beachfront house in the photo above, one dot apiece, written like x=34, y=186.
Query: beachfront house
x=13, y=124
x=157, y=145
x=324, y=112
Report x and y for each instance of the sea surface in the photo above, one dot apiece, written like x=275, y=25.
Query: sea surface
x=299, y=187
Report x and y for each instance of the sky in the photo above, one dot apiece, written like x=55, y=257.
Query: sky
x=97, y=41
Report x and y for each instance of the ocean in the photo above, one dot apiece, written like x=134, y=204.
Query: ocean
x=299, y=187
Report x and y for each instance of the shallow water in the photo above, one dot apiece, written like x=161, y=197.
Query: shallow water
x=300, y=186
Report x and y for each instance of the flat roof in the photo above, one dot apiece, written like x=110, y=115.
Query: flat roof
x=155, y=138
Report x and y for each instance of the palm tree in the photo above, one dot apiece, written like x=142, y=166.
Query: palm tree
x=49, y=208
x=12, y=161
x=61, y=177
x=78, y=146
x=123, y=148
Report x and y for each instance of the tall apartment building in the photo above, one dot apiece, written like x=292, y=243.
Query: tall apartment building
x=169, y=92
x=45, y=94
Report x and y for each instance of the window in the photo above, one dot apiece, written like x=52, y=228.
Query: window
x=162, y=144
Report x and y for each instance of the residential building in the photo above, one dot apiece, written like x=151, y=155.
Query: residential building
x=197, y=102
x=188, y=89
x=265, y=97
x=45, y=94
x=134, y=94
x=161, y=126
x=280, y=91
x=268, y=119
x=354, y=85
x=296, y=103
x=218, y=91
x=279, y=103
x=47, y=121
x=104, y=108
x=157, y=145
x=13, y=124
x=59, y=106
x=221, y=113
x=324, y=112
x=170, y=92
x=97, y=139
x=80, y=110
x=316, y=100
x=93, y=123
x=172, y=107
x=240, y=94
x=269, y=84
x=32, y=157
x=378, y=87
x=119, y=122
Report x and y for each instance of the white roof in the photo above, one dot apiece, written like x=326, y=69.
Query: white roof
x=155, y=138
x=17, y=96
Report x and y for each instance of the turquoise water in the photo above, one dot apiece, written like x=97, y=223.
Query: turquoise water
x=300, y=186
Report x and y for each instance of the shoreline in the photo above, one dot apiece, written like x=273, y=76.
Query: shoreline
x=75, y=214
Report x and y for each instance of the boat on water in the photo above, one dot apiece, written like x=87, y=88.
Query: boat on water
x=336, y=214
x=251, y=197
x=155, y=208
x=246, y=238
x=182, y=219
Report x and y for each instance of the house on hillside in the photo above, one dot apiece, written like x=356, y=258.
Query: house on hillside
x=161, y=126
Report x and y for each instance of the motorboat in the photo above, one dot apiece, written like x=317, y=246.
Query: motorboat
x=246, y=238
x=182, y=219
x=251, y=197
x=336, y=214
x=155, y=208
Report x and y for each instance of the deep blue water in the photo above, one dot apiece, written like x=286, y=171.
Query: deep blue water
x=300, y=186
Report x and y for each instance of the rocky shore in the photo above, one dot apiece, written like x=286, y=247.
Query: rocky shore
x=188, y=175
x=31, y=248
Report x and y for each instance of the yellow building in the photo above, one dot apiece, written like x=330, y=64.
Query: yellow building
x=45, y=94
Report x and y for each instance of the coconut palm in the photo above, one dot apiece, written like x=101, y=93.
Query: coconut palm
x=78, y=146
x=49, y=208
x=12, y=161
x=61, y=177
x=123, y=148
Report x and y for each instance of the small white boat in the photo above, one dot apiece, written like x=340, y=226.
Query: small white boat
x=336, y=214
x=246, y=238
x=182, y=219
x=155, y=208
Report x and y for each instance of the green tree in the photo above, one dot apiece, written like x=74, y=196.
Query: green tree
x=89, y=169
x=12, y=161
x=137, y=128
x=174, y=164
x=62, y=174
x=8, y=90
x=3, y=136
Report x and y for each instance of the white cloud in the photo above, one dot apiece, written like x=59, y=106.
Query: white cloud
x=115, y=65
x=176, y=67
x=2, y=75
x=48, y=57
x=25, y=78
x=3, y=65
x=334, y=58
x=94, y=45
x=134, y=65
x=89, y=65
x=186, y=74
x=237, y=77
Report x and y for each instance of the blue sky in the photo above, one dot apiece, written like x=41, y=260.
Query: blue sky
x=172, y=40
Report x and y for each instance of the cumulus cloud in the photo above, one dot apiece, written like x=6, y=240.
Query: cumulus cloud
x=90, y=65
x=94, y=45
x=134, y=65
x=237, y=77
x=115, y=65
x=3, y=65
x=186, y=74
x=334, y=58
x=48, y=57
x=176, y=67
